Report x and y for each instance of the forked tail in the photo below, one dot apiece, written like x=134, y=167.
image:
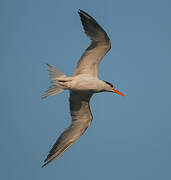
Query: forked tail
x=56, y=81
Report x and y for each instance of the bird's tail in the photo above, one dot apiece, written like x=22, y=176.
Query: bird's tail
x=58, y=80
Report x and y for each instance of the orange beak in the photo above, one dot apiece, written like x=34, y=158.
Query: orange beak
x=117, y=92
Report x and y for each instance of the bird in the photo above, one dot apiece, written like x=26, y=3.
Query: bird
x=83, y=83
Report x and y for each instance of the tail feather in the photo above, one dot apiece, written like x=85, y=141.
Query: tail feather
x=55, y=88
x=52, y=90
x=54, y=73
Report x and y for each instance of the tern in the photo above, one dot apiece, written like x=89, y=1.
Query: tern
x=82, y=85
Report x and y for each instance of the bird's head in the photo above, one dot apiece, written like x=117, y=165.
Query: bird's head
x=110, y=88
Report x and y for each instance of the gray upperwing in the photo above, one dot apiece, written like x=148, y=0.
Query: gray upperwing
x=81, y=119
x=100, y=45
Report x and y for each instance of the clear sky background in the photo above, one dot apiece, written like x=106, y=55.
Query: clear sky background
x=129, y=138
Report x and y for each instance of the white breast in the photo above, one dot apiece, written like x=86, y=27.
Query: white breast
x=86, y=83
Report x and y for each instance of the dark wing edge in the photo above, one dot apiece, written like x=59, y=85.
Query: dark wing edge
x=93, y=29
x=61, y=145
x=81, y=119
x=100, y=45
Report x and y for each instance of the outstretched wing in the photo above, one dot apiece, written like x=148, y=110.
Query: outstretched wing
x=100, y=45
x=81, y=119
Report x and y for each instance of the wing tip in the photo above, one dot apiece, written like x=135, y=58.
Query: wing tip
x=47, y=161
x=43, y=165
x=80, y=11
x=83, y=13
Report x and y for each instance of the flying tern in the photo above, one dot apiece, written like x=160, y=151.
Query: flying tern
x=82, y=85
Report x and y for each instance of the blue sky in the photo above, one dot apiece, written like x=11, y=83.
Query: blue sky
x=129, y=138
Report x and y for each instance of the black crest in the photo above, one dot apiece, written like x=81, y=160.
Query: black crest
x=109, y=84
